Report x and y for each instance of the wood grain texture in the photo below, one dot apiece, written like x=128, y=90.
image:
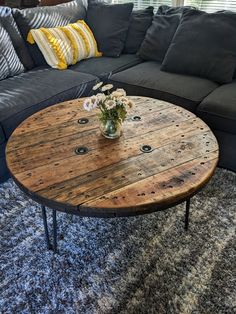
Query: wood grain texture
x=115, y=178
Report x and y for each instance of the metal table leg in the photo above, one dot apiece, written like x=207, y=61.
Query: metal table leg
x=54, y=218
x=54, y=225
x=44, y=214
x=187, y=214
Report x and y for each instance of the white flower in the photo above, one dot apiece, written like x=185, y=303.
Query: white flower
x=125, y=101
x=106, y=87
x=88, y=105
x=94, y=101
x=116, y=95
x=121, y=91
x=110, y=104
x=97, y=86
x=101, y=97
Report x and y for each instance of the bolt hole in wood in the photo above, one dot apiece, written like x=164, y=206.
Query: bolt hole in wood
x=81, y=150
x=136, y=118
x=83, y=120
x=146, y=149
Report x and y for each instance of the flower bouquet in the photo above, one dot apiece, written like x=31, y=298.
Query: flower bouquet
x=113, y=107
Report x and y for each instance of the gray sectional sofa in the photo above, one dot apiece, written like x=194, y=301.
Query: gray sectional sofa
x=41, y=86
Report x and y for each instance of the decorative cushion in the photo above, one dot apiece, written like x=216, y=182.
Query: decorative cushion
x=109, y=24
x=10, y=63
x=65, y=45
x=159, y=36
x=140, y=21
x=167, y=10
x=204, y=45
x=47, y=17
x=8, y=22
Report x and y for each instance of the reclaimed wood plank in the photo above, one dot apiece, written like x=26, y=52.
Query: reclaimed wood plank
x=41, y=157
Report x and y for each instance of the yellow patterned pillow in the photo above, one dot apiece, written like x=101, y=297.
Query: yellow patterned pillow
x=66, y=45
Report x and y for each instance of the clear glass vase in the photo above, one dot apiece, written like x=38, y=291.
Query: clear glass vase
x=111, y=128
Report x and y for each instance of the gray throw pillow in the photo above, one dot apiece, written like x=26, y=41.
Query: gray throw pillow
x=109, y=24
x=140, y=21
x=50, y=16
x=159, y=36
x=9, y=61
x=204, y=45
x=8, y=22
x=167, y=10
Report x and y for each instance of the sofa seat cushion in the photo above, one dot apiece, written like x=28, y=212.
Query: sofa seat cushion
x=146, y=79
x=219, y=108
x=105, y=66
x=23, y=95
x=2, y=135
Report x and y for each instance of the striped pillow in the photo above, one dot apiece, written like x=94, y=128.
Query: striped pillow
x=66, y=45
x=10, y=64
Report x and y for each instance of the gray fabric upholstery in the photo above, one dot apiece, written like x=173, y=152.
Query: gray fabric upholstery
x=204, y=45
x=140, y=21
x=146, y=79
x=23, y=95
x=2, y=135
x=10, y=64
x=159, y=36
x=219, y=108
x=10, y=26
x=227, y=146
x=4, y=174
x=103, y=67
x=109, y=24
x=49, y=16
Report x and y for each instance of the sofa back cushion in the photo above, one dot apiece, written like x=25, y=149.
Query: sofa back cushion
x=109, y=24
x=204, y=45
x=9, y=61
x=159, y=36
x=161, y=32
x=7, y=21
x=167, y=10
x=140, y=21
x=51, y=16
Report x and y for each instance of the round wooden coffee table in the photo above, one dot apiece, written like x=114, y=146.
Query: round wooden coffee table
x=59, y=159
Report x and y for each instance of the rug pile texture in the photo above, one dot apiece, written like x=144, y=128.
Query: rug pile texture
x=144, y=264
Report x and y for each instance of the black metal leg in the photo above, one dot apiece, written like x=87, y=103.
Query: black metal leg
x=46, y=227
x=54, y=218
x=187, y=214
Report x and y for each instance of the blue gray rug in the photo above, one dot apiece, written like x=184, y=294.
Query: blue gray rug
x=146, y=264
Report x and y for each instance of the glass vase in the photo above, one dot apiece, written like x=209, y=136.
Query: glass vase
x=111, y=128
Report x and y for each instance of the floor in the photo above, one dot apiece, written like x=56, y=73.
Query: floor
x=145, y=264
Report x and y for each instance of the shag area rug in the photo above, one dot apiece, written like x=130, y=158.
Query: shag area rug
x=145, y=264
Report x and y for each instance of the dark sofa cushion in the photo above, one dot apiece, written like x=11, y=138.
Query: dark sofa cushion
x=2, y=135
x=140, y=21
x=218, y=109
x=146, y=79
x=10, y=64
x=159, y=36
x=23, y=95
x=204, y=45
x=104, y=67
x=8, y=22
x=109, y=24
x=167, y=10
x=52, y=16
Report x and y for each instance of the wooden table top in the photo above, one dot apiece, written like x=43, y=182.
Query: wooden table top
x=115, y=178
